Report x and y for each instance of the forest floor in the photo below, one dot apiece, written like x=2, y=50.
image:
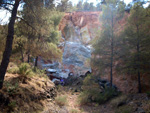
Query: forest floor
x=73, y=105
x=131, y=103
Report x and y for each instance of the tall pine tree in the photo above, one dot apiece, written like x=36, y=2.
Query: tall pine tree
x=136, y=37
x=104, y=46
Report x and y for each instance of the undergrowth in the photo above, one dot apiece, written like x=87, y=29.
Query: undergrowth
x=74, y=111
x=61, y=100
x=25, y=89
x=11, y=88
x=93, y=93
x=124, y=109
x=25, y=70
x=118, y=100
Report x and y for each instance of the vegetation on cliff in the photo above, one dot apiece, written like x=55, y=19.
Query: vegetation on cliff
x=123, y=51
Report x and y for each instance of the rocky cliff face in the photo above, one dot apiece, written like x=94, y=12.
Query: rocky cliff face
x=86, y=22
x=78, y=29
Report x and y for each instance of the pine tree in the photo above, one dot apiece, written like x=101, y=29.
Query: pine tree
x=38, y=23
x=79, y=6
x=136, y=38
x=86, y=6
x=104, y=46
x=10, y=37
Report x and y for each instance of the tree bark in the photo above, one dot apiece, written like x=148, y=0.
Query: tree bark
x=138, y=60
x=9, y=42
x=28, y=58
x=36, y=61
x=22, y=57
x=111, y=64
x=112, y=52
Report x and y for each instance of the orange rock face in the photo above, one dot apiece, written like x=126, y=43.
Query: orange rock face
x=81, y=19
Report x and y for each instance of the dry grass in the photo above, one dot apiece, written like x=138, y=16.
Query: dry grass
x=146, y=106
x=73, y=111
x=25, y=97
x=124, y=109
x=116, y=101
x=61, y=100
x=12, y=68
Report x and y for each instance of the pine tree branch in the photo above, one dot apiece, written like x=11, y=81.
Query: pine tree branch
x=27, y=23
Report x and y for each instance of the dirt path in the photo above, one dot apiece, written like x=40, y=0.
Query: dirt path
x=73, y=105
x=134, y=103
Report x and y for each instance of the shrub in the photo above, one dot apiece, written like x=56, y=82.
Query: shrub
x=24, y=69
x=39, y=72
x=124, y=109
x=12, y=105
x=11, y=88
x=13, y=70
x=90, y=92
x=116, y=101
x=93, y=93
x=106, y=95
x=61, y=100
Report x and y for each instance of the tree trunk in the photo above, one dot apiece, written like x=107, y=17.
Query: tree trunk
x=138, y=60
x=139, y=81
x=28, y=58
x=36, y=61
x=111, y=64
x=22, y=57
x=9, y=42
x=112, y=52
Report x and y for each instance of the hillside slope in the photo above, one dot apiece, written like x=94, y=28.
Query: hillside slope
x=26, y=95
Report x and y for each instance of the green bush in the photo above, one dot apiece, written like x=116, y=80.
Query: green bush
x=39, y=71
x=24, y=69
x=106, y=95
x=11, y=88
x=12, y=105
x=93, y=93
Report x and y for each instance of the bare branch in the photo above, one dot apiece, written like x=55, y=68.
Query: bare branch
x=7, y=4
x=7, y=9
